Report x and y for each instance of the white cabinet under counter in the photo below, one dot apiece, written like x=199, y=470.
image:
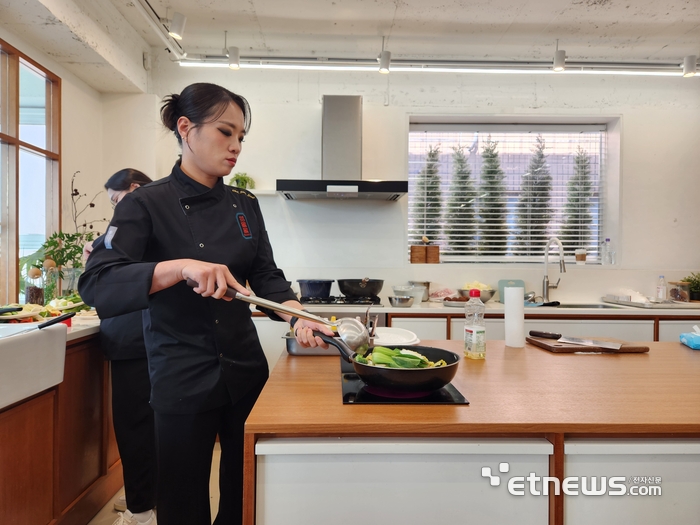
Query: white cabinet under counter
x=411, y=481
x=653, y=481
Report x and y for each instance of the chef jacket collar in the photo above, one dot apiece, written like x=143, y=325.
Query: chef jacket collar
x=198, y=195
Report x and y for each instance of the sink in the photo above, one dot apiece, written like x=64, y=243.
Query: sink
x=592, y=305
x=31, y=362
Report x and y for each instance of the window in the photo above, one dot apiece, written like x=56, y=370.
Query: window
x=29, y=165
x=497, y=192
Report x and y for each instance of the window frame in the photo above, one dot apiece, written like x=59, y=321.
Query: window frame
x=10, y=60
x=610, y=196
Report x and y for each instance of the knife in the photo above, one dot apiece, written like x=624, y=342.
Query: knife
x=576, y=340
x=52, y=321
x=10, y=309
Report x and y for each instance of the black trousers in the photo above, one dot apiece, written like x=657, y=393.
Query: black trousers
x=185, y=445
x=134, y=427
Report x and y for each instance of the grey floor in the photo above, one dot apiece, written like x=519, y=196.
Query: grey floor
x=107, y=516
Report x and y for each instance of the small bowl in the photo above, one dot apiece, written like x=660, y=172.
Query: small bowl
x=402, y=290
x=485, y=294
x=401, y=300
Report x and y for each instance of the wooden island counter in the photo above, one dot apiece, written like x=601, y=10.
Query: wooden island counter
x=647, y=404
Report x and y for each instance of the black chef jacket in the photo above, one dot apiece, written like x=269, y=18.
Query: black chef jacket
x=202, y=352
x=121, y=337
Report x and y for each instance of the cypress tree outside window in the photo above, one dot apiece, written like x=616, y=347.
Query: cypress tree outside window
x=496, y=193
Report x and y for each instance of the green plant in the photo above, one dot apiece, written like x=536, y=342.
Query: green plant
x=242, y=180
x=694, y=280
x=66, y=249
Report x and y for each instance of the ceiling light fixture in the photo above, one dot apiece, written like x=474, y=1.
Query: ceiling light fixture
x=234, y=58
x=233, y=55
x=156, y=23
x=384, y=60
x=690, y=66
x=559, y=59
x=177, y=26
x=669, y=69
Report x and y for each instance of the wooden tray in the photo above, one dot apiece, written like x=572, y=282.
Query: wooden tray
x=560, y=348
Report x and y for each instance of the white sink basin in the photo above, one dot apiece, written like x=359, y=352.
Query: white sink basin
x=31, y=362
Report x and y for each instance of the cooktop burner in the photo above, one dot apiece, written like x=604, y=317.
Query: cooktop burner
x=372, y=299
x=356, y=392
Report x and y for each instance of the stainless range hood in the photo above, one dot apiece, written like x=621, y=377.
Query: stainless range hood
x=341, y=176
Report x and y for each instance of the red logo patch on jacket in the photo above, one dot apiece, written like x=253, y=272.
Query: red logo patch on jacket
x=243, y=224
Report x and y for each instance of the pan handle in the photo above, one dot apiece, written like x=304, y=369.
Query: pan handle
x=55, y=320
x=277, y=307
x=345, y=351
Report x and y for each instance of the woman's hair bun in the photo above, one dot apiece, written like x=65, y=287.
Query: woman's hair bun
x=169, y=111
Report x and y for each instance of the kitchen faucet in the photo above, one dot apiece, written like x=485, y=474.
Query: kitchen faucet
x=562, y=268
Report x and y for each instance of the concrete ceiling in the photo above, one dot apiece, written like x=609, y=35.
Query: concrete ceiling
x=102, y=41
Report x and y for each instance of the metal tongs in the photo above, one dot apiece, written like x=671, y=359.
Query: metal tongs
x=351, y=331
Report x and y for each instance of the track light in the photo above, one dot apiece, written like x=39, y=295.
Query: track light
x=559, y=59
x=689, y=66
x=177, y=26
x=234, y=58
x=384, y=59
x=384, y=62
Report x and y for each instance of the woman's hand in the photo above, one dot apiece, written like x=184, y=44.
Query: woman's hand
x=87, y=250
x=212, y=279
x=304, y=329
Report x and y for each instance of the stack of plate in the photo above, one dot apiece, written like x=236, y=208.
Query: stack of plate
x=384, y=336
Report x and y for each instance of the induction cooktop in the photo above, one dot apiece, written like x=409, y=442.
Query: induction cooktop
x=356, y=392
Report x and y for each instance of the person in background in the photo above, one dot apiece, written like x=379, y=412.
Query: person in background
x=121, y=339
x=206, y=363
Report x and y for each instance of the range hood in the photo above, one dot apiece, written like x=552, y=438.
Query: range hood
x=341, y=144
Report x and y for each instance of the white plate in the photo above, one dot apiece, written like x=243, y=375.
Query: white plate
x=386, y=336
x=61, y=308
x=18, y=315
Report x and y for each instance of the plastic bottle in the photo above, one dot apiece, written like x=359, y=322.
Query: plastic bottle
x=607, y=254
x=661, y=289
x=474, y=327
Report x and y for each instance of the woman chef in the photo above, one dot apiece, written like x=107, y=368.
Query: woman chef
x=206, y=364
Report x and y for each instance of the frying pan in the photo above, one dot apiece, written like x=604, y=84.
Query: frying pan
x=360, y=287
x=402, y=380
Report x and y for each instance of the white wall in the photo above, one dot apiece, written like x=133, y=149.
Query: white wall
x=660, y=178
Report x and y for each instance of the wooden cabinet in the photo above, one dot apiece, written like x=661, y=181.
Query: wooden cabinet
x=59, y=462
x=26, y=462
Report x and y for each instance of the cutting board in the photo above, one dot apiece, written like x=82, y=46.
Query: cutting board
x=563, y=348
x=509, y=283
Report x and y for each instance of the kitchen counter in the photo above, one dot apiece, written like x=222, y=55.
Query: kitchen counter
x=522, y=393
x=495, y=308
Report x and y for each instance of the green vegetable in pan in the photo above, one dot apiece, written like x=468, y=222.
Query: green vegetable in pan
x=397, y=358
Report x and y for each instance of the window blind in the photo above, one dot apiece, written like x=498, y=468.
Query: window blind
x=497, y=193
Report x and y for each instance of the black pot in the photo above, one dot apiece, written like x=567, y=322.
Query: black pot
x=360, y=287
x=315, y=288
x=695, y=296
